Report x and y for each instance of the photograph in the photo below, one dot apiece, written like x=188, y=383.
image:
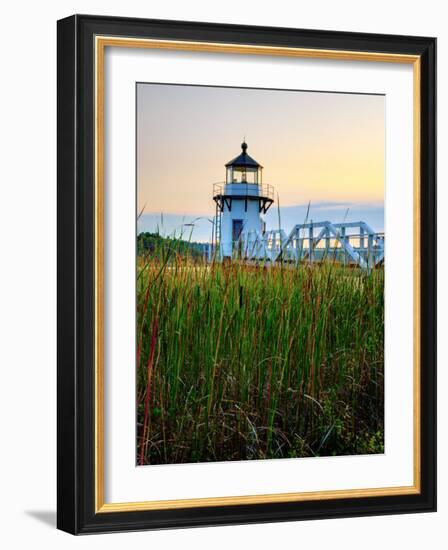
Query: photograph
x=246, y=276
x=260, y=271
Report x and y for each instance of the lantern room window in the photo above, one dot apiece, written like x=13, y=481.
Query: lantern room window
x=243, y=175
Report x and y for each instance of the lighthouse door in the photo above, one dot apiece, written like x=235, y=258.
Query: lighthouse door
x=237, y=228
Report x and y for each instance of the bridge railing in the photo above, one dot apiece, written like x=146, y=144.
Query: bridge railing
x=315, y=242
x=348, y=243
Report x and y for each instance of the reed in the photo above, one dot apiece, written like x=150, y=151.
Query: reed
x=239, y=361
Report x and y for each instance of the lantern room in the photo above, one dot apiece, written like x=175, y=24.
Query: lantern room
x=244, y=169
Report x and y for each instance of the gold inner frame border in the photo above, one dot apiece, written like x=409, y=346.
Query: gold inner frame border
x=100, y=44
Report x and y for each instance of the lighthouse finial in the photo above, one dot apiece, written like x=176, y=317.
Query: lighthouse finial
x=244, y=145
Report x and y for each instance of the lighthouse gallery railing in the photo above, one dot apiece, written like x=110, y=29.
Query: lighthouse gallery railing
x=243, y=189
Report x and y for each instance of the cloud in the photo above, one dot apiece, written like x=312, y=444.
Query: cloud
x=336, y=212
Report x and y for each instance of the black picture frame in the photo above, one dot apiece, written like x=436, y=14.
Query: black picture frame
x=76, y=255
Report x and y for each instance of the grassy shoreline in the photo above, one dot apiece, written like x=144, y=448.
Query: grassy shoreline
x=239, y=361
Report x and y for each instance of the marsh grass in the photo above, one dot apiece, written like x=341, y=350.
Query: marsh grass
x=239, y=361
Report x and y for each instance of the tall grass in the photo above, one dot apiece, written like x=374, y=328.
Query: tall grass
x=239, y=361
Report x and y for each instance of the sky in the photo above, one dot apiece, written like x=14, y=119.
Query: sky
x=326, y=149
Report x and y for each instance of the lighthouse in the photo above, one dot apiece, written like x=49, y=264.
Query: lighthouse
x=241, y=200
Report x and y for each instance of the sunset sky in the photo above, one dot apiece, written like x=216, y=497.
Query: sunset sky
x=323, y=148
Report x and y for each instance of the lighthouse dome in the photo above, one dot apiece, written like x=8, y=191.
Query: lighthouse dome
x=243, y=160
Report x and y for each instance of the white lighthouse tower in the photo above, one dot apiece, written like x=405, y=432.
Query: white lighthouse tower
x=240, y=202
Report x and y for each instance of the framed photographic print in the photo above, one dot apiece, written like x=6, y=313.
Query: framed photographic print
x=246, y=274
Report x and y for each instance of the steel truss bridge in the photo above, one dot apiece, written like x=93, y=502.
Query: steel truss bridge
x=351, y=243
